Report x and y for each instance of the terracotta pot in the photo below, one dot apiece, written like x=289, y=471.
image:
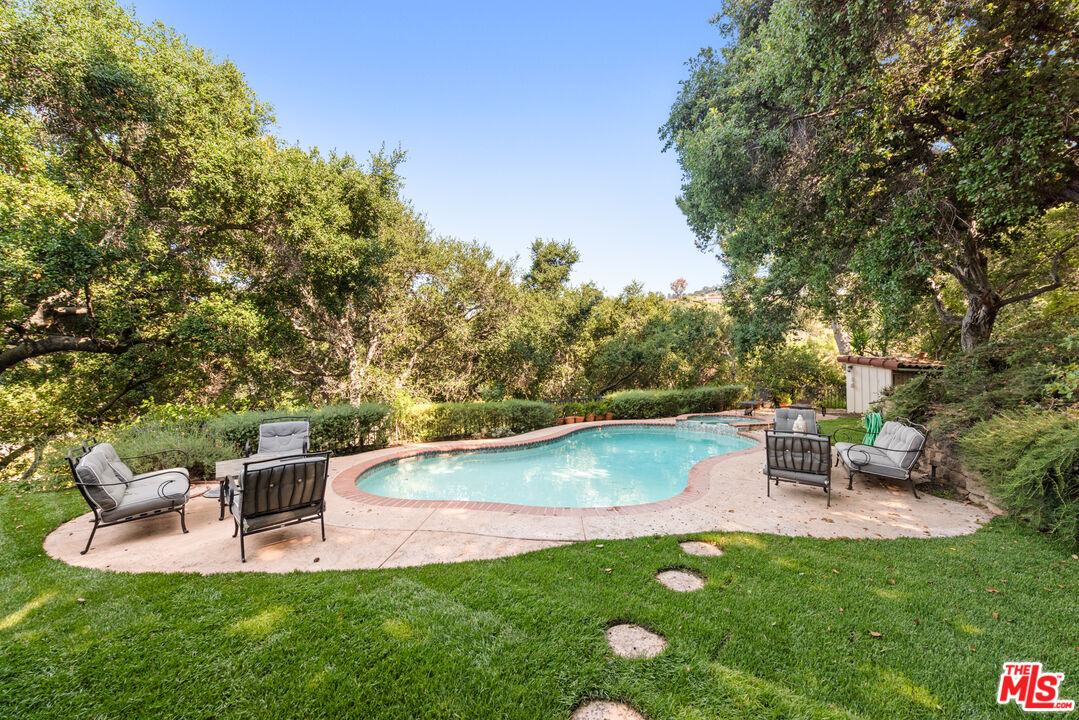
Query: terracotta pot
x=576, y=419
x=559, y=421
x=590, y=417
x=609, y=416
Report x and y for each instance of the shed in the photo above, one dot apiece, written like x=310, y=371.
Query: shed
x=868, y=377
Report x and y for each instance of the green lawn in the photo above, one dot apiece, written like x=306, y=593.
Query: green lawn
x=781, y=630
x=830, y=425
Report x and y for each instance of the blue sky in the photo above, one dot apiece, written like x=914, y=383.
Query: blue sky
x=520, y=120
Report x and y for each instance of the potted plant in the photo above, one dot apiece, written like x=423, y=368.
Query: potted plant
x=602, y=410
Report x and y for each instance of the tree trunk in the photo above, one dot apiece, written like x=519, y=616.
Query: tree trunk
x=842, y=340
x=977, y=326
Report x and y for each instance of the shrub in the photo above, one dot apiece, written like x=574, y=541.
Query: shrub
x=597, y=407
x=523, y=415
x=202, y=451
x=667, y=403
x=572, y=408
x=1030, y=460
x=344, y=427
x=239, y=429
x=434, y=421
x=1013, y=372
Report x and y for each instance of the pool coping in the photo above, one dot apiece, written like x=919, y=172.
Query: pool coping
x=697, y=485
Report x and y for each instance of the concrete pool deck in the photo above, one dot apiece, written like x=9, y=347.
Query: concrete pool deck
x=725, y=493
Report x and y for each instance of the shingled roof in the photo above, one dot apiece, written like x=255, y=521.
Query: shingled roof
x=892, y=363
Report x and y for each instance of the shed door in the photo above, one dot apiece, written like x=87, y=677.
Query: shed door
x=865, y=385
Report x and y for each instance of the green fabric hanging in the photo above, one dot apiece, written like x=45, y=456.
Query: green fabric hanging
x=873, y=423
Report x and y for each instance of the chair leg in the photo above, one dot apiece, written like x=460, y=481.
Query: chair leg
x=221, y=501
x=828, y=489
x=322, y=522
x=183, y=518
x=850, y=479
x=235, y=527
x=87, y=548
x=914, y=489
x=243, y=554
x=768, y=485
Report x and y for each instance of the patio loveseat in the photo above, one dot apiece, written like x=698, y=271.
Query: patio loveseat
x=117, y=495
x=893, y=454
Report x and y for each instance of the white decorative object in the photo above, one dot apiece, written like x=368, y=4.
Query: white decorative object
x=799, y=425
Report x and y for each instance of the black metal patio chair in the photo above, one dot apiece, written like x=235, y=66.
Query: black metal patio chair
x=279, y=492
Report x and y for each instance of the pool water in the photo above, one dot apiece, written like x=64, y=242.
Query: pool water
x=599, y=467
x=727, y=419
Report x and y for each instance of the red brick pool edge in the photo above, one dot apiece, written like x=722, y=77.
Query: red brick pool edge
x=344, y=483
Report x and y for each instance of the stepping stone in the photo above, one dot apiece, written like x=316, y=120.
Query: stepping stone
x=680, y=580
x=700, y=548
x=605, y=710
x=633, y=641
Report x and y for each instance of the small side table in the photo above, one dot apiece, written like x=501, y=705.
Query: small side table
x=750, y=406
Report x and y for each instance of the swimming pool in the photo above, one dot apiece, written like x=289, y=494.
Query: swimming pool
x=592, y=467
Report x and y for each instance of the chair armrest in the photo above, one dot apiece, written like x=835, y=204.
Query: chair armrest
x=171, y=496
x=147, y=475
x=187, y=458
x=861, y=450
x=858, y=434
x=231, y=489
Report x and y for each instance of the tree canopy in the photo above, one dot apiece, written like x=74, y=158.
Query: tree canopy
x=905, y=151
x=163, y=253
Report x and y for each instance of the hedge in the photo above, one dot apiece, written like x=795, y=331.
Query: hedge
x=435, y=421
x=668, y=403
x=336, y=428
